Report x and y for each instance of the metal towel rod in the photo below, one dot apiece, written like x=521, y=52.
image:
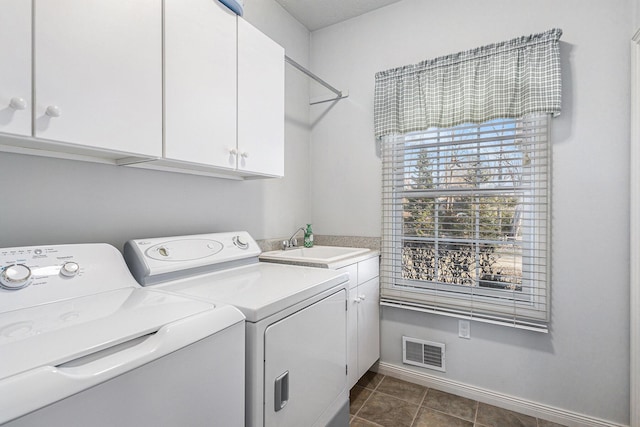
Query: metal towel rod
x=319, y=80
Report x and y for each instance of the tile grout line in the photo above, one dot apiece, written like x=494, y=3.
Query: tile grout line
x=419, y=406
x=474, y=419
x=368, y=421
x=475, y=415
x=367, y=399
x=448, y=414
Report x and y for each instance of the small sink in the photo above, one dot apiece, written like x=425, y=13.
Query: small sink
x=316, y=254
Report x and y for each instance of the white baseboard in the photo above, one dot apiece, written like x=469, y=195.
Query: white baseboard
x=527, y=407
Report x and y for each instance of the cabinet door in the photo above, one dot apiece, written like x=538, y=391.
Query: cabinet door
x=15, y=77
x=352, y=324
x=304, y=367
x=368, y=325
x=200, y=82
x=98, y=73
x=260, y=102
x=352, y=338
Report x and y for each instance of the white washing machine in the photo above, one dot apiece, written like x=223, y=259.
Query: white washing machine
x=296, y=321
x=82, y=344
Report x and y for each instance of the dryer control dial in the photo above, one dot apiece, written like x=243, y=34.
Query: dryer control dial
x=15, y=276
x=69, y=269
x=237, y=240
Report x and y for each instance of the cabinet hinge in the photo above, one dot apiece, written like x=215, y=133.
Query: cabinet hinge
x=346, y=370
x=346, y=305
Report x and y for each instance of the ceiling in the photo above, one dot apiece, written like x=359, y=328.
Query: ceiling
x=316, y=14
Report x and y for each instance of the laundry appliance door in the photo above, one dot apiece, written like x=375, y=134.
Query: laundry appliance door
x=201, y=384
x=154, y=361
x=305, y=363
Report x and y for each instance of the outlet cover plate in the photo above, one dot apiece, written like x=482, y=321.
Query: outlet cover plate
x=464, y=329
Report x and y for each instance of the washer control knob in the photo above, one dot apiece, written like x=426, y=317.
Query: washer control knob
x=237, y=240
x=69, y=269
x=15, y=276
x=163, y=251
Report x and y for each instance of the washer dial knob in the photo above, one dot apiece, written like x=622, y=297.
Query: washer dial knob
x=69, y=269
x=237, y=240
x=15, y=276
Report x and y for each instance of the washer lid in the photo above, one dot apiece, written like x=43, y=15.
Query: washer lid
x=57, y=333
x=259, y=290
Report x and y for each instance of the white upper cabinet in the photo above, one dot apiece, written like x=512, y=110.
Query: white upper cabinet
x=200, y=82
x=260, y=102
x=15, y=77
x=83, y=79
x=98, y=73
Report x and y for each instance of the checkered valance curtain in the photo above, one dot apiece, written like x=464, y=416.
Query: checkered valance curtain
x=503, y=80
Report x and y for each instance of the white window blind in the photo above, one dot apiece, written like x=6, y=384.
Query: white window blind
x=465, y=221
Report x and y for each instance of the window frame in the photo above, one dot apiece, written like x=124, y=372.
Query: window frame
x=530, y=311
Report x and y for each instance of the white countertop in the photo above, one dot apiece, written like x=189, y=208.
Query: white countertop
x=281, y=257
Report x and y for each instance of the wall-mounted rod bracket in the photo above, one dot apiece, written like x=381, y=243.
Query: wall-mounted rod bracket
x=318, y=79
x=338, y=98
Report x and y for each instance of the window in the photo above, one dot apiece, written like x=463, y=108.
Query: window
x=465, y=221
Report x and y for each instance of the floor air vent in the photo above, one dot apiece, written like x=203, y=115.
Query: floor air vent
x=425, y=354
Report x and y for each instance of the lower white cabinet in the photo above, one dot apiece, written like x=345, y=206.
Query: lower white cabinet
x=368, y=326
x=363, y=335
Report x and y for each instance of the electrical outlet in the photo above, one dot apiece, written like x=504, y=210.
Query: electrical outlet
x=464, y=329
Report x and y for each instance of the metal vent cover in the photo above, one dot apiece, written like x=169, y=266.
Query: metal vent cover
x=425, y=354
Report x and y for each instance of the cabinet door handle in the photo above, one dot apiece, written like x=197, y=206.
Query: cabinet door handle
x=53, y=111
x=362, y=297
x=281, y=391
x=357, y=299
x=233, y=151
x=244, y=155
x=18, y=103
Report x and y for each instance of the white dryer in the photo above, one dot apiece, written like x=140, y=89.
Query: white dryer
x=296, y=321
x=82, y=344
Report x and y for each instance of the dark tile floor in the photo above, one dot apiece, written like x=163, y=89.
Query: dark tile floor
x=379, y=400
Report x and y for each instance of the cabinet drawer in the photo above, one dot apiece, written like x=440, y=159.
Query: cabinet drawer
x=353, y=274
x=368, y=269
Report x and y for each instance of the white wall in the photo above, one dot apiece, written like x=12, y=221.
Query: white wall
x=49, y=201
x=582, y=365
